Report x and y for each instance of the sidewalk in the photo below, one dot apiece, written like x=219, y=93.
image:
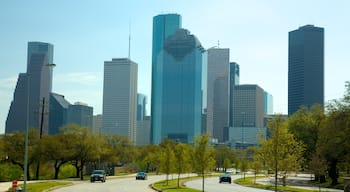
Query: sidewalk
x=299, y=181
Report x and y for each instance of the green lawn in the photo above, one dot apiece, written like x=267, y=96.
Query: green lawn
x=172, y=185
x=249, y=182
x=42, y=186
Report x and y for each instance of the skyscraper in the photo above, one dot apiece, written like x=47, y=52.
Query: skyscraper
x=178, y=84
x=119, y=98
x=218, y=93
x=58, y=113
x=38, y=79
x=141, y=106
x=234, y=80
x=305, y=67
x=81, y=114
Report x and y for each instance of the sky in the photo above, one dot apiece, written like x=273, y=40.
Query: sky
x=85, y=33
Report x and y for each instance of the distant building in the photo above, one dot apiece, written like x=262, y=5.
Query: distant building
x=143, y=132
x=141, y=106
x=248, y=121
x=178, y=81
x=234, y=80
x=305, y=67
x=58, y=113
x=120, y=98
x=39, y=79
x=81, y=114
x=97, y=123
x=218, y=93
x=268, y=103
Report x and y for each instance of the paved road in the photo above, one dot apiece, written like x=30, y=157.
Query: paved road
x=212, y=185
x=120, y=185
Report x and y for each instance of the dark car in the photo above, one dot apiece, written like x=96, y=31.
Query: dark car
x=98, y=175
x=225, y=177
x=141, y=175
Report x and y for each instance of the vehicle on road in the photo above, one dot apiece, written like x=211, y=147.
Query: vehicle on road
x=98, y=175
x=141, y=176
x=225, y=177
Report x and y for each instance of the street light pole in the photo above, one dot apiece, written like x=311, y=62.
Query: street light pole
x=26, y=137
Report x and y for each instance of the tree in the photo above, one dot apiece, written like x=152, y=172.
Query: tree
x=203, y=156
x=305, y=125
x=223, y=152
x=167, y=161
x=181, y=160
x=281, y=151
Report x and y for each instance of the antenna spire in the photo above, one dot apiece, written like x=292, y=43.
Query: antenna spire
x=129, y=39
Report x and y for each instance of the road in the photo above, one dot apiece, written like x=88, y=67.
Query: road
x=212, y=185
x=120, y=185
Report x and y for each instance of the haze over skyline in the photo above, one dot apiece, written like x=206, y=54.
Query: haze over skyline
x=87, y=33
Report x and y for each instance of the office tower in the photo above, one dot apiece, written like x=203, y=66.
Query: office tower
x=97, y=123
x=234, y=80
x=249, y=106
x=178, y=86
x=248, y=115
x=143, y=133
x=268, y=103
x=119, y=98
x=58, y=113
x=218, y=93
x=81, y=114
x=141, y=106
x=38, y=82
x=305, y=67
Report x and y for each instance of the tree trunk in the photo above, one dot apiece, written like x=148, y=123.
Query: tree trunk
x=333, y=172
x=202, y=182
x=82, y=170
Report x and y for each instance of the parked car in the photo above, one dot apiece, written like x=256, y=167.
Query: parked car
x=141, y=175
x=225, y=177
x=98, y=175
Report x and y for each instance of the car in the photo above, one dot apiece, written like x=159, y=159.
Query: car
x=141, y=176
x=225, y=177
x=98, y=175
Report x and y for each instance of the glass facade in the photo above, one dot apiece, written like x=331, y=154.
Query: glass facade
x=305, y=67
x=177, y=89
x=39, y=81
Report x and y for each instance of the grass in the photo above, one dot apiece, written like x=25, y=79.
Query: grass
x=249, y=182
x=172, y=185
x=43, y=186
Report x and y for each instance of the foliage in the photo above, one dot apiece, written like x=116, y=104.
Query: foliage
x=222, y=153
x=182, y=160
x=167, y=161
x=281, y=152
x=202, y=157
x=10, y=172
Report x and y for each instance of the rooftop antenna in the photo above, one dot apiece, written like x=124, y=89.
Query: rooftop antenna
x=129, y=39
x=218, y=44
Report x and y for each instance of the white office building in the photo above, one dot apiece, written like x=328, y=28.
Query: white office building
x=120, y=98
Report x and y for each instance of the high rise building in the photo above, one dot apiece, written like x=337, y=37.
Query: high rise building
x=248, y=122
x=120, y=98
x=249, y=106
x=81, y=114
x=97, y=123
x=268, y=103
x=218, y=93
x=305, y=67
x=141, y=106
x=38, y=82
x=234, y=80
x=58, y=113
x=178, y=83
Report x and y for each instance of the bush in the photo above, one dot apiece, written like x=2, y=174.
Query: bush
x=10, y=172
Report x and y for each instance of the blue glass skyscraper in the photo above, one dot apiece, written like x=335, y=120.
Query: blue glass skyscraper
x=178, y=81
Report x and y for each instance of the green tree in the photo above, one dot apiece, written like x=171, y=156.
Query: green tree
x=281, y=151
x=182, y=163
x=305, y=125
x=223, y=152
x=167, y=161
x=203, y=157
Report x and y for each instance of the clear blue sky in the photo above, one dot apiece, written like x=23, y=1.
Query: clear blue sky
x=85, y=33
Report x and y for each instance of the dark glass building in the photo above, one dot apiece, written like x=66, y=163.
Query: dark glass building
x=178, y=82
x=305, y=67
x=58, y=113
x=39, y=81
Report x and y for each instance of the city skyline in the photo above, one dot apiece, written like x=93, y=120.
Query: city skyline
x=256, y=34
